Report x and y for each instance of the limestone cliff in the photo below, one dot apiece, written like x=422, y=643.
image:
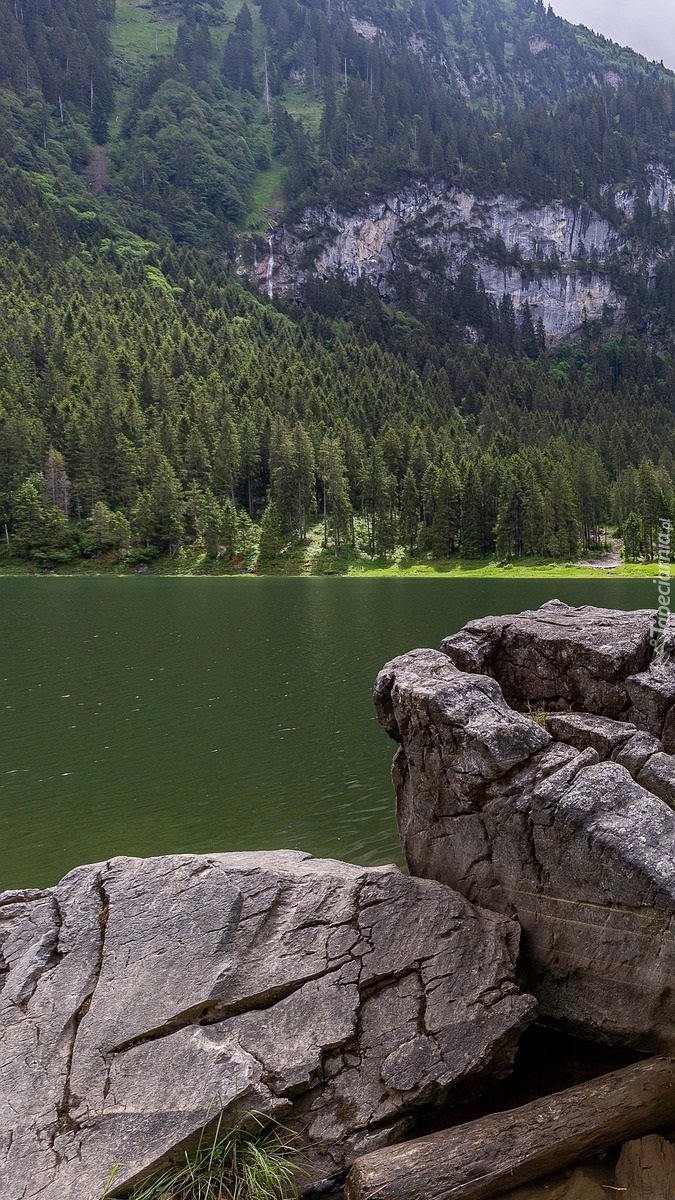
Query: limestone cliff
x=554, y=256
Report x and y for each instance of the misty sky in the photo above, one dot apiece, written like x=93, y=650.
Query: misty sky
x=646, y=25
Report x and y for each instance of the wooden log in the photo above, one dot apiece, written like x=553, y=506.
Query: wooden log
x=484, y=1158
x=646, y=1169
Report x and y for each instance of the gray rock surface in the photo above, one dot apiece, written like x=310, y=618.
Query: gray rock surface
x=668, y=735
x=484, y=738
x=585, y=730
x=658, y=777
x=652, y=694
x=579, y=852
x=453, y=225
x=634, y=753
x=139, y=996
x=558, y=656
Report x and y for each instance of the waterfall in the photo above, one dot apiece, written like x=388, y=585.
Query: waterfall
x=270, y=269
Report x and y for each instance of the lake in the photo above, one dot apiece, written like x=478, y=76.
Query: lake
x=150, y=715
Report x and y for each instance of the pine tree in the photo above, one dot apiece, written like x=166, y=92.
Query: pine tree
x=632, y=537
x=271, y=537
x=305, y=472
x=228, y=528
x=374, y=494
x=56, y=486
x=446, y=522
x=509, y=527
x=210, y=520
x=409, y=516
x=249, y=460
x=651, y=505
x=37, y=526
x=337, y=507
x=471, y=515
x=110, y=528
x=166, y=508
x=284, y=479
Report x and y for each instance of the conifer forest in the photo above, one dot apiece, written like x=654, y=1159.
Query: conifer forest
x=158, y=400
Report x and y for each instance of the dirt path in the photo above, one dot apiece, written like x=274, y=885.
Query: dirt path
x=607, y=560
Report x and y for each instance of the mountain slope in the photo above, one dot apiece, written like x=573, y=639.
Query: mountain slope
x=498, y=51
x=346, y=102
x=149, y=401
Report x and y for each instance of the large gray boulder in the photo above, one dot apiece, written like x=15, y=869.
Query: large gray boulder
x=139, y=997
x=539, y=829
x=558, y=656
x=596, y=660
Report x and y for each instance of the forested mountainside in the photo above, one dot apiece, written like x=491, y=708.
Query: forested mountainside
x=154, y=155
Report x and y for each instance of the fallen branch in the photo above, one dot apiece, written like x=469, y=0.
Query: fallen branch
x=484, y=1158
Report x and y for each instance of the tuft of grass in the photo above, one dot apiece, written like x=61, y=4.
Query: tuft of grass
x=254, y=1161
x=536, y=714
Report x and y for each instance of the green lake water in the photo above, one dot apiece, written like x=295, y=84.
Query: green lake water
x=150, y=715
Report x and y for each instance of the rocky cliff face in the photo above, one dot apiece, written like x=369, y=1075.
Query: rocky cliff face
x=569, y=827
x=553, y=256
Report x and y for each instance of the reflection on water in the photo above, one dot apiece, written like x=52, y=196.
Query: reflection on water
x=150, y=716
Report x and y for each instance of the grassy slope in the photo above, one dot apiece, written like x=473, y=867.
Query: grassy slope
x=140, y=34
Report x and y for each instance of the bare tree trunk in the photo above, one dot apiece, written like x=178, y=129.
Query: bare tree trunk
x=266, y=90
x=483, y=1158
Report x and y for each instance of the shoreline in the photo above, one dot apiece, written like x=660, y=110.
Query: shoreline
x=442, y=569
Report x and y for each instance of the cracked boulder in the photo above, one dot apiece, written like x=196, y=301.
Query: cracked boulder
x=558, y=656
x=539, y=829
x=140, y=998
